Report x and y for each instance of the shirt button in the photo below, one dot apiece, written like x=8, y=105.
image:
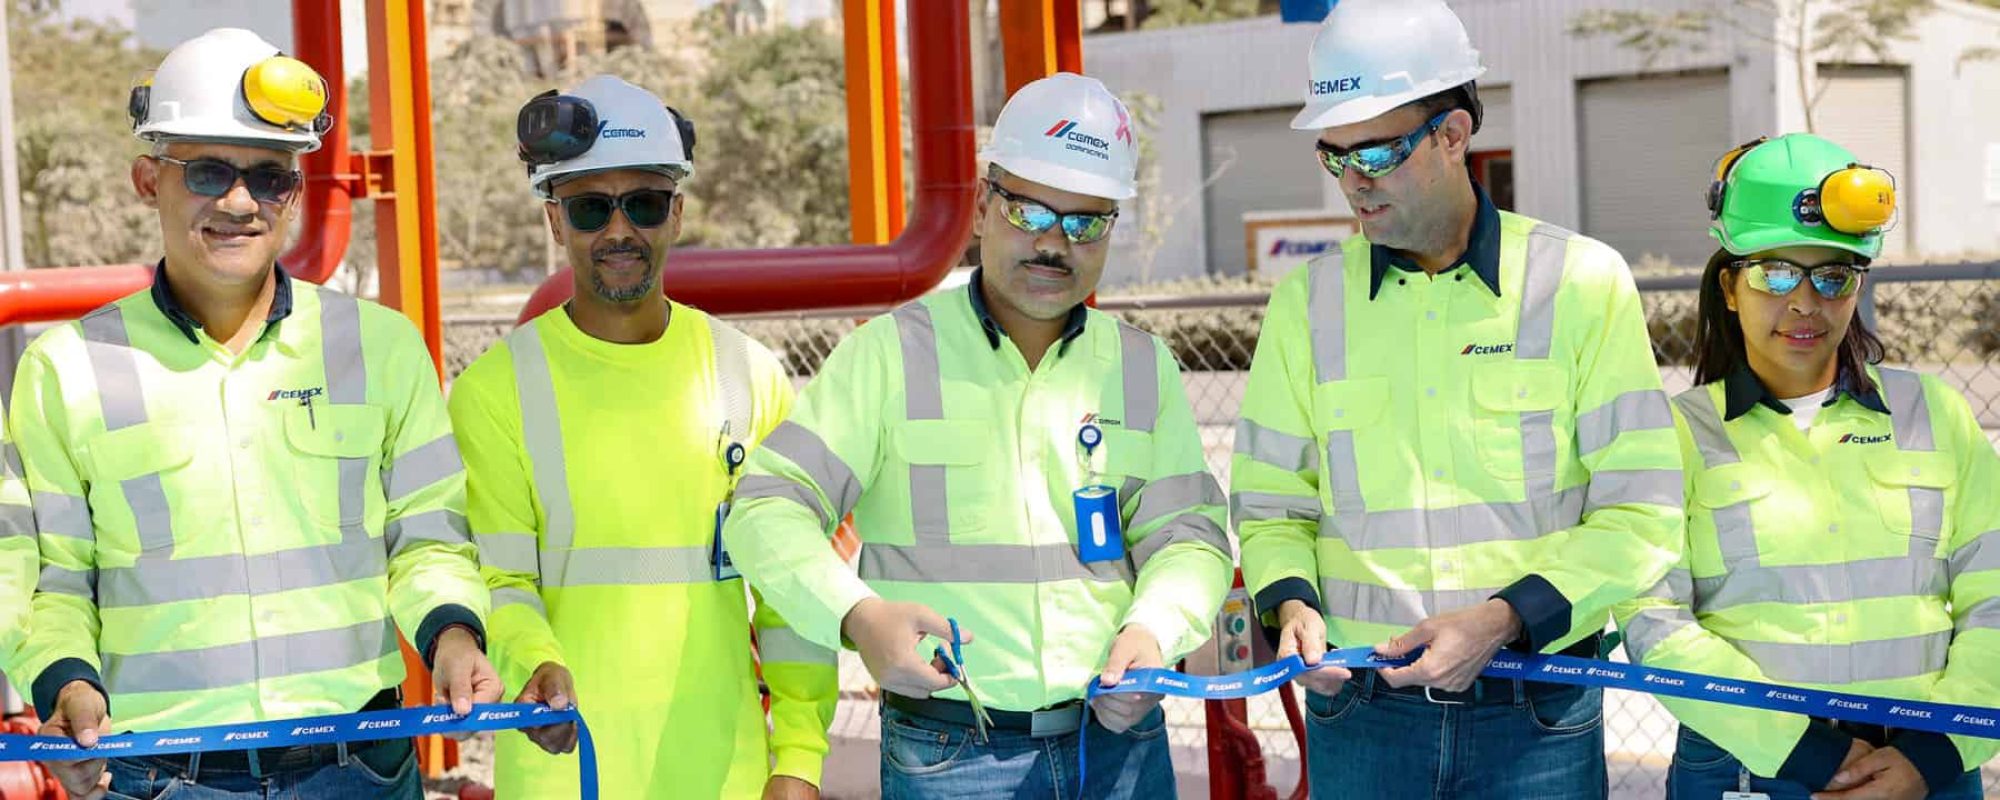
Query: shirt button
x=1734, y=485
x=1438, y=474
x=256, y=522
x=1840, y=618
x=1834, y=528
x=1431, y=391
x=1815, y=459
x=1339, y=412
x=1444, y=566
x=243, y=443
x=1431, y=315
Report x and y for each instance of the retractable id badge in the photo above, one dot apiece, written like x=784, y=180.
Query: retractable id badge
x=1743, y=788
x=719, y=564
x=1098, y=536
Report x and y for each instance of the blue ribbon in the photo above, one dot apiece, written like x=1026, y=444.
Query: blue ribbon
x=1916, y=715
x=331, y=729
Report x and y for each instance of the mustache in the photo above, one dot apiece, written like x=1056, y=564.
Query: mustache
x=1048, y=260
x=621, y=248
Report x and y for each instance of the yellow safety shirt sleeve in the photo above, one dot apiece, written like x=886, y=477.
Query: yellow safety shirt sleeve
x=1972, y=563
x=1633, y=521
x=788, y=507
x=433, y=565
x=20, y=559
x=803, y=677
x=1274, y=474
x=62, y=627
x=1763, y=740
x=500, y=492
x=1175, y=529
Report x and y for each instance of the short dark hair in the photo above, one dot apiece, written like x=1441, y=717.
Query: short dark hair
x=1718, y=335
x=1465, y=95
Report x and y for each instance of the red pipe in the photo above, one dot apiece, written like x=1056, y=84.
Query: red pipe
x=788, y=279
x=50, y=295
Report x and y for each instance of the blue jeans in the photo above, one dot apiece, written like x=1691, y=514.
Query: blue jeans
x=1523, y=740
x=1704, y=771
x=934, y=760
x=387, y=770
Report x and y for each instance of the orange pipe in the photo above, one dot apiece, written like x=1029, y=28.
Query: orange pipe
x=1039, y=38
x=51, y=295
x=787, y=279
x=328, y=213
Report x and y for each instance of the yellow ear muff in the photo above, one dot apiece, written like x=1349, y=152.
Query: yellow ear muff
x=1723, y=165
x=1859, y=200
x=285, y=92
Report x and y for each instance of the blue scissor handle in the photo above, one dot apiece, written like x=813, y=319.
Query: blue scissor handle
x=956, y=655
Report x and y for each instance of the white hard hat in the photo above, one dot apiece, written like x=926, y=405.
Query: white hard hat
x=229, y=85
x=1068, y=132
x=1372, y=56
x=633, y=130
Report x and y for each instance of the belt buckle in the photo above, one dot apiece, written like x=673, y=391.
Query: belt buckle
x=1434, y=699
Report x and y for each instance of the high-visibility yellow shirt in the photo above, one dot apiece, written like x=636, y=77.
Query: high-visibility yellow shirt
x=595, y=521
x=231, y=537
x=1413, y=445
x=1862, y=554
x=20, y=560
x=959, y=462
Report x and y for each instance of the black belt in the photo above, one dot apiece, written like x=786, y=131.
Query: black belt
x=1875, y=735
x=1055, y=720
x=1484, y=689
x=297, y=758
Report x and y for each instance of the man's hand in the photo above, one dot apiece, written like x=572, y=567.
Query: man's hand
x=1458, y=646
x=461, y=675
x=79, y=715
x=1135, y=648
x=887, y=633
x=1884, y=774
x=1302, y=633
x=551, y=686
x=1855, y=752
x=786, y=787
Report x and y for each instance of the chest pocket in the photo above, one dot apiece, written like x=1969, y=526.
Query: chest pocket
x=130, y=469
x=1341, y=410
x=337, y=449
x=952, y=474
x=1514, y=408
x=1730, y=493
x=1910, y=495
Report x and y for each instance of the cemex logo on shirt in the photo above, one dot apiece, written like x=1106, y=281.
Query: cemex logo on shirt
x=1486, y=349
x=1093, y=418
x=1864, y=439
x=296, y=394
x=1078, y=140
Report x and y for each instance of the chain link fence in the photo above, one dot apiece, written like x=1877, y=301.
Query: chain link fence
x=1942, y=319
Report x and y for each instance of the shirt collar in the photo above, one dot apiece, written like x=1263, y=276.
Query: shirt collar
x=1742, y=391
x=1072, y=326
x=163, y=297
x=1482, y=250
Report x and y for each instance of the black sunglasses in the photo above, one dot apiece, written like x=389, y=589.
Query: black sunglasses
x=645, y=208
x=211, y=177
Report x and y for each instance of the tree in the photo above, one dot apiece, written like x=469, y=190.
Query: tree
x=74, y=140
x=1157, y=208
x=1173, y=13
x=1804, y=31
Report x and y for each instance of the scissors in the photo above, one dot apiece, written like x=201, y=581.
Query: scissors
x=954, y=665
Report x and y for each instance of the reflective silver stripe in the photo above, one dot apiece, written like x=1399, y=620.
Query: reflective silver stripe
x=119, y=391
x=340, y=346
x=441, y=525
x=731, y=351
x=58, y=514
x=1187, y=527
x=12, y=464
x=1978, y=555
x=1636, y=410
x=1455, y=526
x=1983, y=615
x=752, y=486
x=1258, y=506
x=626, y=566
x=1275, y=448
x=1660, y=487
x=781, y=645
x=156, y=580
x=1648, y=628
x=1141, y=368
x=508, y=596
x=1803, y=584
x=147, y=495
x=1326, y=316
x=511, y=551
x=1909, y=414
x=354, y=497
x=984, y=563
x=804, y=448
x=923, y=398
x=1385, y=606
x=422, y=467
x=71, y=582
x=1173, y=494
x=1705, y=423
x=1547, y=259
x=1835, y=664
x=541, y=431
x=246, y=662
x=1538, y=454
x=17, y=521
x=1343, y=471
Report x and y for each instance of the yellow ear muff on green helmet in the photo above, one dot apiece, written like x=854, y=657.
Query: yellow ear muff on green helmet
x=1859, y=200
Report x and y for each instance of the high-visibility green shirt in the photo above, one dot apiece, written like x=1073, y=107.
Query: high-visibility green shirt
x=1413, y=445
x=228, y=537
x=595, y=521
x=20, y=561
x=958, y=463
x=1862, y=554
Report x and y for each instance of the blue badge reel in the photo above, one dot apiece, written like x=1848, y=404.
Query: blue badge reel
x=1099, y=536
x=720, y=567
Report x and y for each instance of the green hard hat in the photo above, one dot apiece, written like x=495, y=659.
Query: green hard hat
x=1768, y=196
